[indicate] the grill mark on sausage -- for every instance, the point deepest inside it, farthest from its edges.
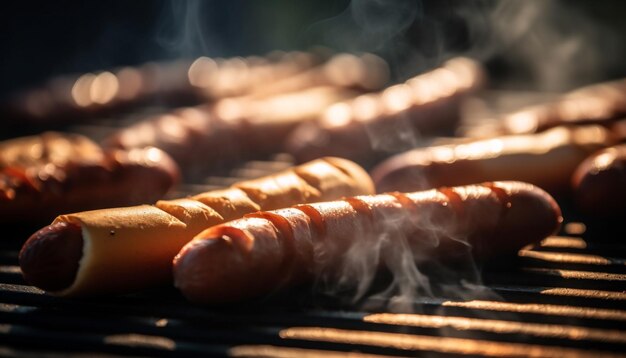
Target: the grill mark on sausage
(360, 206)
(454, 200)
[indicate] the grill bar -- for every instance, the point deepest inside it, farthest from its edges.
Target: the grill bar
(280, 352)
(552, 331)
(578, 261)
(434, 344)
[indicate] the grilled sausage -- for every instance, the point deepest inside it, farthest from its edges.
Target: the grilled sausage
(63, 245)
(546, 159)
(68, 98)
(237, 76)
(365, 72)
(390, 120)
(206, 136)
(263, 251)
(127, 249)
(49, 174)
(596, 104)
(600, 183)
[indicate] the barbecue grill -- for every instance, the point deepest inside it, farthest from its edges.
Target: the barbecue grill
(562, 297)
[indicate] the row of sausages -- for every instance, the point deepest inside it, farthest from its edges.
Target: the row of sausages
(266, 250)
(48, 174)
(312, 122)
(126, 249)
(202, 138)
(97, 252)
(69, 98)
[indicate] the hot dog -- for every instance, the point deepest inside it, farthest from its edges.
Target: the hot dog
(265, 250)
(49, 174)
(203, 137)
(67, 98)
(70, 97)
(546, 159)
(127, 249)
(597, 104)
(237, 76)
(600, 183)
(389, 120)
(364, 72)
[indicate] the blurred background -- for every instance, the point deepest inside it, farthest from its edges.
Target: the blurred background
(530, 45)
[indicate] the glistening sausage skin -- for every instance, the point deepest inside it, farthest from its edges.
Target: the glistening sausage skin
(266, 250)
(600, 183)
(45, 175)
(546, 159)
(62, 244)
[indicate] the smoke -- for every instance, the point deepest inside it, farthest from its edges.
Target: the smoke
(379, 23)
(422, 255)
(184, 31)
(535, 44)
(552, 44)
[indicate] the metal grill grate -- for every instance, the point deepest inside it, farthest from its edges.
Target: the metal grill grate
(564, 297)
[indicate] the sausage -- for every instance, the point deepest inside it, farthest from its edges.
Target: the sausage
(600, 183)
(207, 136)
(263, 251)
(127, 249)
(48, 147)
(364, 72)
(193, 136)
(595, 104)
(391, 120)
(68, 98)
(49, 174)
(237, 76)
(62, 244)
(546, 159)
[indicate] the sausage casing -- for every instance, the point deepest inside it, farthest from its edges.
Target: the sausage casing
(546, 159)
(49, 174)
(263, 251)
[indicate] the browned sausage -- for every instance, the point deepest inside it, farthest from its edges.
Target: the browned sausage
(237, 76)
(598, 104)
(49, 259)
(259, 253)
(203, 137)
(67, 98)
(49, 174)
(123, 250)
(366, 72)
(600, 183)
(546, 159)
(391, 120)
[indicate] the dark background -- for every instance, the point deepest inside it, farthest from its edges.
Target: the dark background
(548, 45)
